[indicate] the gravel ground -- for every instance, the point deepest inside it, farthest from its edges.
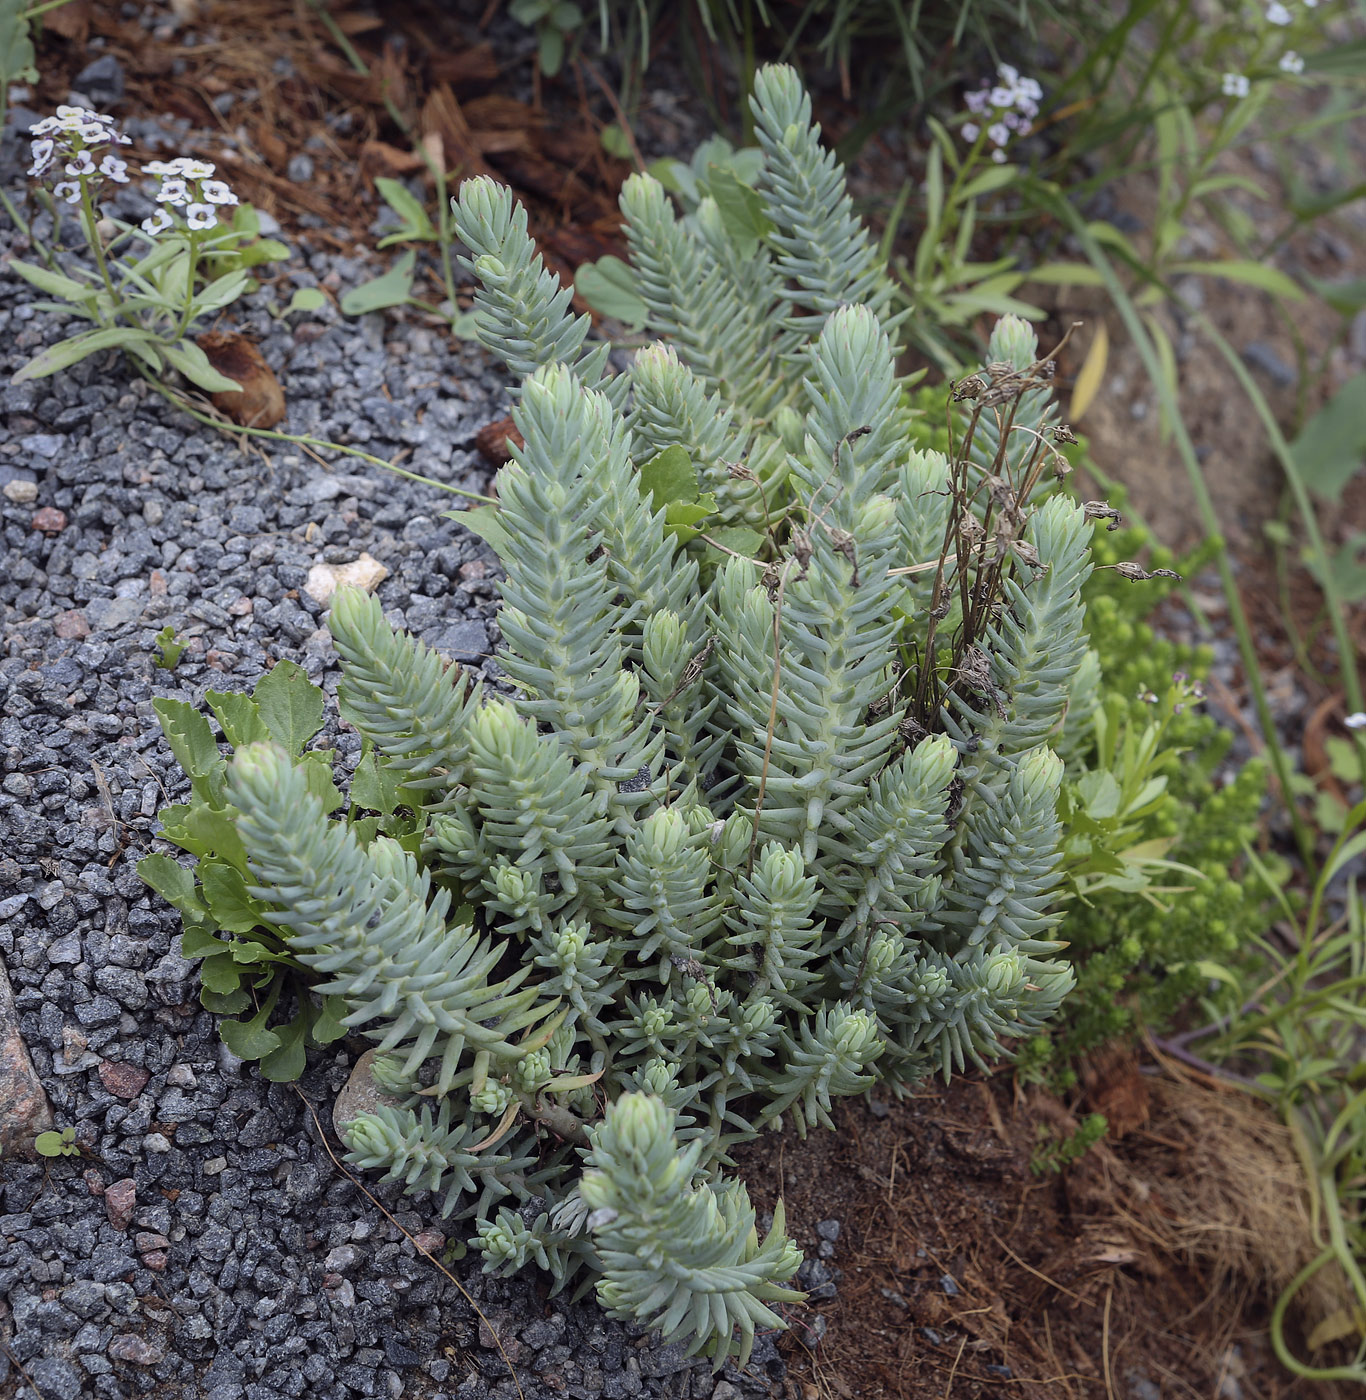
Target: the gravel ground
(203, 1244)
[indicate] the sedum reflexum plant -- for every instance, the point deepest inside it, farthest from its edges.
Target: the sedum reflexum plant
(772, 814)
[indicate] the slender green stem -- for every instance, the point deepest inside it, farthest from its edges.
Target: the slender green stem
(36, 10)
(304, 440)
(16, 217)
(187, 311)
(92, 236)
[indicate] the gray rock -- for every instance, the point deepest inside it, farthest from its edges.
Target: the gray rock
(26, 1110)
(360, 1094)
(55, 1379)
(102, 80)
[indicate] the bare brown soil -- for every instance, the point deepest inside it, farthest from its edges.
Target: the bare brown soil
(1143, 1270)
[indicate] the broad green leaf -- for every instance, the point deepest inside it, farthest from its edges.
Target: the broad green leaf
(327, 1021)
(1331, 446)
(198, 942)
(194, 364)
(416, 224)
(550, 55)
(69, 352)
(609, 287)
(53, 283)
(374, 785)
(616, 142)
(741, 209)
(239, 716)
(286, 1062)
(248, 952)
(487, 523)
(172, 882)
(988, 182)
(668, 477)
(1100, 793)
(392, 289)
(191, 741)
(290, 704)
(1254, 274)
(225, 1003)
(173, 828)
(1066, 274)
(215, 831)
(307, 299)
(739, 539)
(317, 769)
(221, 292)
(683, 519)
(1348, 297)
(1341, 60)
(225, 892)
(249, 1040)
(220, 974)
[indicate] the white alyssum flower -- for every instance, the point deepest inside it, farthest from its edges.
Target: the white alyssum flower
(195, 169)
(42, 151)
(1291, 62)
(1236, 85)
(1276, 13)
(1356, 721)
(217, 192)
(971, 131)
(201, 216)
(81, 165)
(158, 223)
(68, 190)
(173, 191)
(114, 168)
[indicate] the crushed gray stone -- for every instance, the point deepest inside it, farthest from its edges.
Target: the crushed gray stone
(204, 1245)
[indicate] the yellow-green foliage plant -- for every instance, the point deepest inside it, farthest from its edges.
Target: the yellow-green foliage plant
(772, 813)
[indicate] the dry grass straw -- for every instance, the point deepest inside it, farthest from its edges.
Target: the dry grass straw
(1231, 1203)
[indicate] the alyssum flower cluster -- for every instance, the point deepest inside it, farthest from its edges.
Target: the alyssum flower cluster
(1006, 109)
(72, 139)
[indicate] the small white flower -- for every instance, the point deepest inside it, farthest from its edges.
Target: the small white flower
(45, 127)
(68, 190)
(96, 133)
(173, 192)
(216, 192)
(80, 164)
(1291, 62)
(161, 167)
(158, 223)
(42, 156)
(973, 101)
(1029, 89)
(1236, 85)
(999, 157)
(1002, 97)
(200, 216)
(971, 131)
(115, 169)
(1356, 721)
(1276, 13)
(1009, 75)
(195, 169)
(999, 133)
